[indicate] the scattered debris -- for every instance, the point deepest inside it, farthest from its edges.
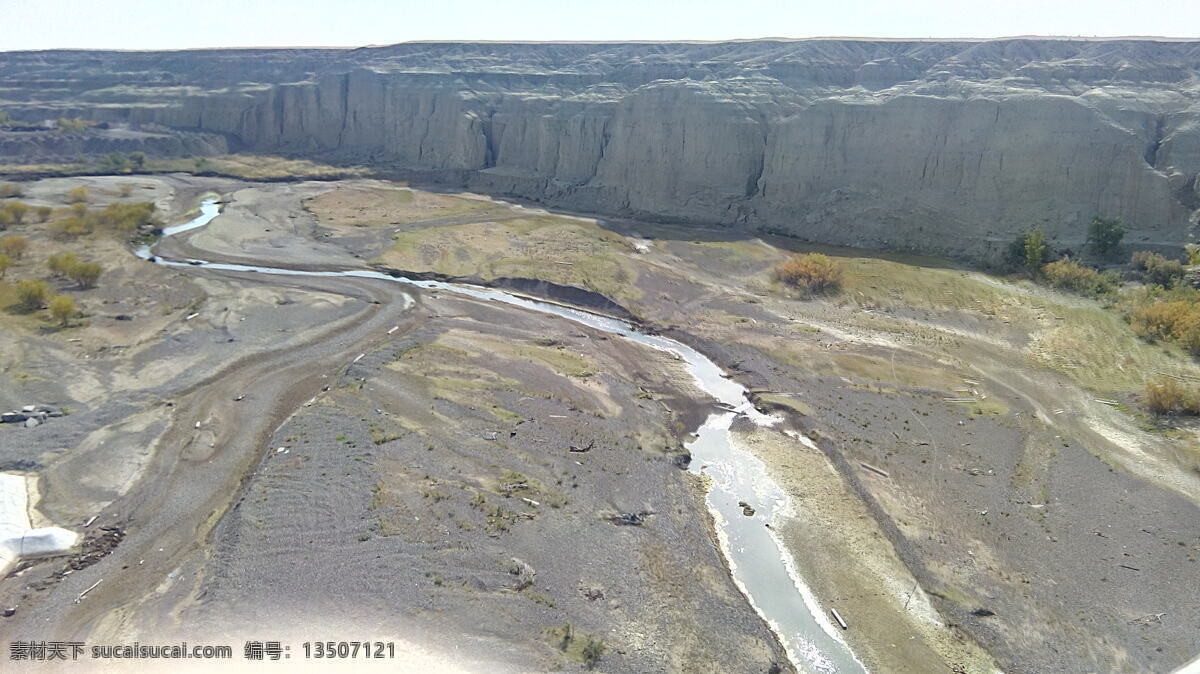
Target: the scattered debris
(1131, 568)
(683, 460)
(747, 510)
(240, 398)
(191, 316)
(591, 593)
(1149, 619)
(90, 520)
(393, 330)
(983, 613)
(1110, 403)
(574, 448)
(360, 357)
(10, 611)
(629, 519)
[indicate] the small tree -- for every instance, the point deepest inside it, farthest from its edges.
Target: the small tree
(592, 650)
(14, 212)
(77, 195)
(5, 263)
(1193, 253)
(85, 273)
(138, 159)
(1105, 234)
(59, 263)
(32, 294)
(1036, 249)
(14, 246)
(44, 213)
(62, 308)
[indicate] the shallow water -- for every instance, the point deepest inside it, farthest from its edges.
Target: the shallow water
(761, 565)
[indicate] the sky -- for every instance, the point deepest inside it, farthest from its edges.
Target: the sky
(179, 24)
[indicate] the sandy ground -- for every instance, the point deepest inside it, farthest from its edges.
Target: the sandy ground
(1031, 529)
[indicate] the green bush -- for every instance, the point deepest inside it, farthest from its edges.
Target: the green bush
(32, 294)
(1029, 251)
(1105, 234)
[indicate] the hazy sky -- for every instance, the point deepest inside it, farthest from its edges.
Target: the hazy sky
(159, 24)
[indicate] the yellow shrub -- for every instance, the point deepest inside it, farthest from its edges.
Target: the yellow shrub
(1070, 275)
(1165, 395)
(811, 272)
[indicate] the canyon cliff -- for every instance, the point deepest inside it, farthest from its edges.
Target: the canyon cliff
(949, 147)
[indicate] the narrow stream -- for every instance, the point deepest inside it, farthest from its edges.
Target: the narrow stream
(761, 566)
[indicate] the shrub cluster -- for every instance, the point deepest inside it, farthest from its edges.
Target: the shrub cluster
(14, 246)
(1067, 274)
(9, 190)
(1157, 269)
(118, 218)
(1165, 395)
(810, 272)
(82, 272)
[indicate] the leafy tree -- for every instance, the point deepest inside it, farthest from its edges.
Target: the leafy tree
(138, 159)
(1105, 234)
(63, 309)
(44, 213)
(14, 246)
(32, 294)
(5, 263)
(77, 195)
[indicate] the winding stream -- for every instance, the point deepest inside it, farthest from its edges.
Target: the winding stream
(760, 564)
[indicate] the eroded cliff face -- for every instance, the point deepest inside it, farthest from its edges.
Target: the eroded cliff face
(946, 147)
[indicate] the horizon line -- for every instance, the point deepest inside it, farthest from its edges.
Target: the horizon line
(845, 38)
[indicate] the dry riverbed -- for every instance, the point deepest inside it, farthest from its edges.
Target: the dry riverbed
(967, 503)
